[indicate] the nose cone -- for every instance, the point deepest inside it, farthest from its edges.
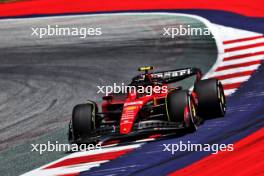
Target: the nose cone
(127, 120)
(126, 127)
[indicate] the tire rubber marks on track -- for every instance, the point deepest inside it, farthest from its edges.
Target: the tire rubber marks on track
(241, 59)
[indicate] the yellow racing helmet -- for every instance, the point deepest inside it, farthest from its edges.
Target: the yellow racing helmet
(145, 68)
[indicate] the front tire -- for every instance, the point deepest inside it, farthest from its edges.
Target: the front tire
(83, 120)
(181, 108)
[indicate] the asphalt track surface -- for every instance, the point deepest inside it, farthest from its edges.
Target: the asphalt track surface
(42, 79)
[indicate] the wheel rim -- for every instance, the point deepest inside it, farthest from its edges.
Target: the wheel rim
(192, 114)
(221, 97)
(193, 110)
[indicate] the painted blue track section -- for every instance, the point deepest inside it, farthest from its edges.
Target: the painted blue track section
(229, 19)
(245, 115)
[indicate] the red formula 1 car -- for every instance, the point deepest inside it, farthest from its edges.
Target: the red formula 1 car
(160, 110)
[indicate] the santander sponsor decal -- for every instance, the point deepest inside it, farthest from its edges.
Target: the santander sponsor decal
(133, 103)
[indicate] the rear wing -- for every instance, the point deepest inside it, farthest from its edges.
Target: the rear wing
(177, 75)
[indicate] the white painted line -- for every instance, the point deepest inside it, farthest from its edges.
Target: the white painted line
(242, 60)
(235, 70)
(243, 43)
(236, 67)
(224, 33)
(79, 154)
(244, 51)
(228, 33)
(65, 170)
(230, 91)
(235, 80)
(103, 150)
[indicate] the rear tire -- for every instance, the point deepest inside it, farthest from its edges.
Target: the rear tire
(211, 98)
(181, 108)
(83, 120)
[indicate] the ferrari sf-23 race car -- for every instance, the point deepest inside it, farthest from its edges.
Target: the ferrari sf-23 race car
(133, 115)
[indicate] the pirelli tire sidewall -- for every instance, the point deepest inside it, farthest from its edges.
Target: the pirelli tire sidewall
(211, 98)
